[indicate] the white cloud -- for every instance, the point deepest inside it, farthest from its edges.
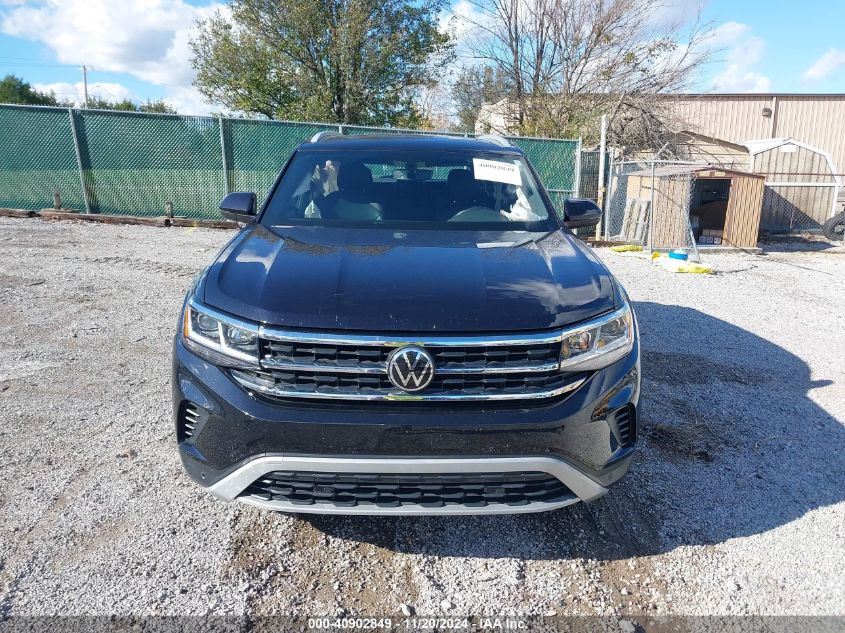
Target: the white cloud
(75, 92)
(148, 40)
(672, 13)
(187, 100)
(461, 19)
(734, 78)
(831, 61)
(740, 50)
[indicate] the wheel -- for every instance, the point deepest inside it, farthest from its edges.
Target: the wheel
(834, 228)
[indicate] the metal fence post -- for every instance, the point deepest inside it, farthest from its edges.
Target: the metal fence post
(79, 160)
(225, 156)
(685, 211)
(600, 192)
(577, 186)
(608, 200)
(651, 206)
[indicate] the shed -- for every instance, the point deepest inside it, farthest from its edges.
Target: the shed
(801, 184)
(720, 207)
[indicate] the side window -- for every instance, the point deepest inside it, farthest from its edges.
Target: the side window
(380, 170)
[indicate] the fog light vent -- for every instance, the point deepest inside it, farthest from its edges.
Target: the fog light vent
(625, 425)
(188, 421)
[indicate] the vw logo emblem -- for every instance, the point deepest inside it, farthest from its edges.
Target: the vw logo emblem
(410, 368)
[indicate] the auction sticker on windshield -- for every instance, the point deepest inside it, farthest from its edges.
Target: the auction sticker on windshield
(497, 171)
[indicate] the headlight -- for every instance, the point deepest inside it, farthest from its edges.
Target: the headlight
(220, 333)
(598, 343)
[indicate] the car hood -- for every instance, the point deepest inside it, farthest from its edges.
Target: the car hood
(420, 281)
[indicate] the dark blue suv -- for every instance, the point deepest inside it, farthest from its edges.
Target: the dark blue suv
(407, 326)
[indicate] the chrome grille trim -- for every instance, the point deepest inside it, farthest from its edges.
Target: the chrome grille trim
(515, 369)
(276, 334)
(250, 383)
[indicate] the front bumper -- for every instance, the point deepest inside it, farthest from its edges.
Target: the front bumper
(239, 437)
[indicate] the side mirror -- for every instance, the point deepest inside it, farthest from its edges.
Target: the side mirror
(239, 207)
(580, 212)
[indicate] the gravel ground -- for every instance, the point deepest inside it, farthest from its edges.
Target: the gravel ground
(734, 504)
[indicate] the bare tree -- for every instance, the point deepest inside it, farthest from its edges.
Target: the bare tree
(568, 61)
(432, 103)
(512, 36)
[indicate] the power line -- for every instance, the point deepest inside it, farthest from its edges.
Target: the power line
(32, 65)
(31, 61)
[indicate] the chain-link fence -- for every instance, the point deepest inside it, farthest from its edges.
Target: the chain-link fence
(143, 162)
(37, 158)
(648, 203)
(589, 178)
(797, 207)
(138, 164)
(557, 162)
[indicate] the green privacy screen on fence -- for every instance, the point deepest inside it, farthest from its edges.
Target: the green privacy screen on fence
(37, 157)
(134, 164)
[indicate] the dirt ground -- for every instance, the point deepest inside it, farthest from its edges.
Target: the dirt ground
(735, 503)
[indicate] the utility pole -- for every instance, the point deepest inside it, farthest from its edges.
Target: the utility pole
(85, 84)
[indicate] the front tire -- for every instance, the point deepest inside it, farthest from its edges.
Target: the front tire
(834, 228)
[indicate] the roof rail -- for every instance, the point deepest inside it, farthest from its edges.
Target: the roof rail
(325, 135)
(494, 138)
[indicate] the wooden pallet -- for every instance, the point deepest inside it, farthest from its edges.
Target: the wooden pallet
(635, 221)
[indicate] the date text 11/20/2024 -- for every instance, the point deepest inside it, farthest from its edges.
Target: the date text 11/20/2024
(420, 623)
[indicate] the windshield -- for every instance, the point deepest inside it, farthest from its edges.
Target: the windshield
(430, 190)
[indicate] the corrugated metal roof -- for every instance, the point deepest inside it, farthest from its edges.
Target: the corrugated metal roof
(678, 170)
(751, 95)
(765, 144)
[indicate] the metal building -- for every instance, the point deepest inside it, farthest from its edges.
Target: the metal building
(815, 119)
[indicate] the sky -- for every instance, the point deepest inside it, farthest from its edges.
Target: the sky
(138, 49)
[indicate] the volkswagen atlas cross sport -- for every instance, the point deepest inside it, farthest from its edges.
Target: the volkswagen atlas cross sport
(406, 326)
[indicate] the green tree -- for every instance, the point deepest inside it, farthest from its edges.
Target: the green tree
(473, 87)
(347, 61)
(98, 103)
(158, 106)
(16, 90)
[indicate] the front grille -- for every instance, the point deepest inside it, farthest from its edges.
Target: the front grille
(395, 490)
(339, 385)
(278, 353)
(355, 367)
